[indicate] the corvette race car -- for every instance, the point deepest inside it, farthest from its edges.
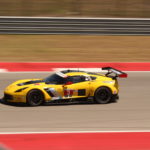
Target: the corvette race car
(66, 85)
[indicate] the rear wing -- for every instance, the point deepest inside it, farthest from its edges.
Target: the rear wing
(117, 73)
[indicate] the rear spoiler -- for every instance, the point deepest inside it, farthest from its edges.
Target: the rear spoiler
(118, 73)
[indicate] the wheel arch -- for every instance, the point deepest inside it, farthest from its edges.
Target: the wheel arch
(106, 95)
(102, 87)
(35, 89)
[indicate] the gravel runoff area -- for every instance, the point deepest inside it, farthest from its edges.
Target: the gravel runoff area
(71, 48)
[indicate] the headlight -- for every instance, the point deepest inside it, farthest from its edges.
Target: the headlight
(21, 89)
(110, 82)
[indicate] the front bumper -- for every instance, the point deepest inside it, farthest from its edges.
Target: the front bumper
(14, 98)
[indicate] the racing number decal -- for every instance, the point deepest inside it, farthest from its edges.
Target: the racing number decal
(68, 92)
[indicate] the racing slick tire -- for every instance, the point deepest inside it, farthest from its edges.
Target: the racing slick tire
(35, 98)
(103, 95)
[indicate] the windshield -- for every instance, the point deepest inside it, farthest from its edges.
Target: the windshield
(54, 79)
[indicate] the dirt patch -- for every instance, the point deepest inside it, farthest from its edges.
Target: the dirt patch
(74, 48)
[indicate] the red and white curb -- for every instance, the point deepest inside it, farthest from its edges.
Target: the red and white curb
(88, 140)
(89, 66)
(3, 70)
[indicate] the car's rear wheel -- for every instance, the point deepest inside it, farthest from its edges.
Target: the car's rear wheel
(103, 95)
(35, 98)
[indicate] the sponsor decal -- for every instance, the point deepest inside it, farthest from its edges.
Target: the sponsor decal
(53, 93)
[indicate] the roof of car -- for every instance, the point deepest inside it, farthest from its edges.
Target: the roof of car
(78, 72)
(68, 71)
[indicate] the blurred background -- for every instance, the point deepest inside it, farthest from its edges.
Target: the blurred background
(92, 48)
(93, 8)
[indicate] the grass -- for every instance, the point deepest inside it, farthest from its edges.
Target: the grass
(74, 48)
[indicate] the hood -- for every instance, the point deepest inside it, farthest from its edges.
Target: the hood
(22, 84)
(28, 82)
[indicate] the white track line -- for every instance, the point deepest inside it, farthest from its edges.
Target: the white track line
(65, 69)
(75, 18)
(79, 132)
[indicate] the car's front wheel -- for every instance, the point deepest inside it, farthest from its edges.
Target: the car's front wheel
(35, 98)
(103, 95)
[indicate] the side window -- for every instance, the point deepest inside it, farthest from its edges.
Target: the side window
(76, 79)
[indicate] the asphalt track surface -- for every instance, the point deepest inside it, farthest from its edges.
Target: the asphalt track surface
(131, 112)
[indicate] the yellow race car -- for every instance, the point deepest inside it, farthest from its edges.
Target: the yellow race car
(65, 86)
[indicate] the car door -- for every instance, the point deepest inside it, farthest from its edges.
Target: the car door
(76, 87)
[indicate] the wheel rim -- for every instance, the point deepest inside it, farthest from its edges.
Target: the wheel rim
(35, 98)
(103, 95)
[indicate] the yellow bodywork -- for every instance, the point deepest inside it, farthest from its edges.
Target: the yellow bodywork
(17, 92)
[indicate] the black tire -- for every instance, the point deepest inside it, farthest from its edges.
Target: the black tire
(35, 98)
(103, 95)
